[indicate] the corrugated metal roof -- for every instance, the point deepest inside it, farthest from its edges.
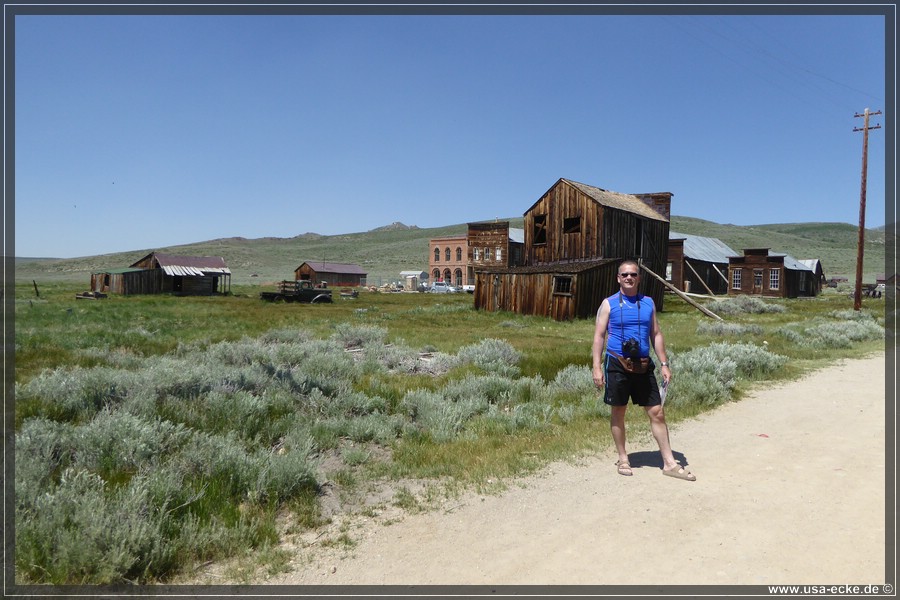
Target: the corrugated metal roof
(812, 263)
(790, 262)
(626, 202)
(330, 267)
(189, 266)
(704, 248)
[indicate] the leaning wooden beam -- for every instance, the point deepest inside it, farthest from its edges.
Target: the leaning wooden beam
(702, 309)
(700, 279)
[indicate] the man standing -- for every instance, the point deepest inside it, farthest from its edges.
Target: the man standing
(626, 328)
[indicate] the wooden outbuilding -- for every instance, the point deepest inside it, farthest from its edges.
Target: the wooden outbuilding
(815, 265)
(332, 274)
(698, 264)
(575, 235)
(159, 273)
(761, 272)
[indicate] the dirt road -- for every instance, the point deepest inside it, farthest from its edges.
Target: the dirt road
(790, 489)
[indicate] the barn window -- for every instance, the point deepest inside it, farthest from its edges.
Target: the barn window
(437, 255)
(774, 279)
(562, 285)
(540, 230)
(499, 254)
(458, 254)
(736, 279)
(447, 254)
(572, 225)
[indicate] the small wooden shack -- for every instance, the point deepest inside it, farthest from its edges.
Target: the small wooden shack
(159, 273)
(815, 265)
(331, 274)
(698, 264)
(761, 272)
(575, 235)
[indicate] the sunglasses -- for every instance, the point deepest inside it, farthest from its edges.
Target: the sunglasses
(628, 274)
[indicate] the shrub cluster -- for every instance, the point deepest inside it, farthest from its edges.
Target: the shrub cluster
(847, 328)
(123, 474)
(707, 375)
(744, 305)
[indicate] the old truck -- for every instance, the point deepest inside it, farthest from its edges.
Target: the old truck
(297, 291)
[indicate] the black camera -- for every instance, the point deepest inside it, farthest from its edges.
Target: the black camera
(631, 348)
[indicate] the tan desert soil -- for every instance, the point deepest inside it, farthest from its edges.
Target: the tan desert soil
(790, 490)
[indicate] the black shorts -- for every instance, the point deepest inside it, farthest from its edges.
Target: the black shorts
(621, 385)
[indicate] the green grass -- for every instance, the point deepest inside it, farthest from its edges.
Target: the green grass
(204, 417)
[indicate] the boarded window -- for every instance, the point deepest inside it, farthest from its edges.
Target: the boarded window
(540, 229)
(562, 285)
(572, 225)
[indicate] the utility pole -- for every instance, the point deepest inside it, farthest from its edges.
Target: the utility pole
(857, 295)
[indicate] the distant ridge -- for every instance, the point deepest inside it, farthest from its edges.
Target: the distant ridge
(395, 226)
(387, 251)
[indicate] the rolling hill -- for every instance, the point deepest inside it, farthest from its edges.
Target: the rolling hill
(386, 251)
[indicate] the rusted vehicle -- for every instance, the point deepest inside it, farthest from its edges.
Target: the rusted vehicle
(297, 291)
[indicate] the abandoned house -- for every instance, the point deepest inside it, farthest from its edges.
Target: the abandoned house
(159, 273)
(761, 272)
(698, 264)
(575, 235)
(815, 265)
(329, 273)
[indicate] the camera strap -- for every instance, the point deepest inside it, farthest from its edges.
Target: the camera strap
(622, 317)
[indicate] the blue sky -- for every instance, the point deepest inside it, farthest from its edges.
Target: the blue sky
(138, 132)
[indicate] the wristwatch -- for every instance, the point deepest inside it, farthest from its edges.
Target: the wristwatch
(663, 364)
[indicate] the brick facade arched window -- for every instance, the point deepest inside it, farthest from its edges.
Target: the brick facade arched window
(458, 254)
(447, 253)
(437, 255)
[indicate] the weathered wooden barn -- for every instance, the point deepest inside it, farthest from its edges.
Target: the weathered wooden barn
(575, 235)
(333, 274)
(159, 273)
(761, 272)
(698, 264)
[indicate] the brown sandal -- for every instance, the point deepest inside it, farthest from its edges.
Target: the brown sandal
(624, 468)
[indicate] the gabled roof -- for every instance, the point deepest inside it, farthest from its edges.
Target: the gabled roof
(813, 263)
(627, 202)
(704, 248)
(174, 264)
(790, 262)
(330, 267)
